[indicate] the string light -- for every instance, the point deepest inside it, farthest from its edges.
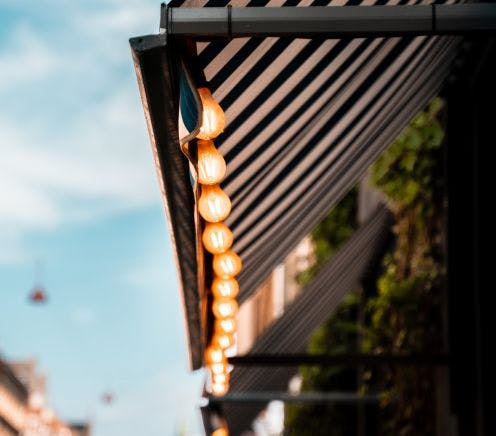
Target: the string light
(225, 307)
(219, 389)
(214, 205)
(213, 118)
(227, 264)
(220, 378)
(218, 368)
(226, 325)
(217, 238)
(214, 354)
(225, 288)
(223, 340)
(211, 164)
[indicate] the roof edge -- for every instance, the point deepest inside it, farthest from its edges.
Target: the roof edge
(157, 73)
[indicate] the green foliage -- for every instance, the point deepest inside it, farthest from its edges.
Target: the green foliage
(335, 228)
(403, 314)
(404, 173)
(338, 335)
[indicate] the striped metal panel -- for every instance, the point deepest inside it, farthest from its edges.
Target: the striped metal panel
(313, 306)
(306, 117)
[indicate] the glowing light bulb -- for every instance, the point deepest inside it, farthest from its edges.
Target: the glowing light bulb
(220, 378)
(211, 164)
(223, 340)
(213, 118)
(218, 368)
(226, 325)
(214, 205)
(225, 308)
(225, 288)
(219, 389)
(214, 354)
(227, 264)
(217, 238)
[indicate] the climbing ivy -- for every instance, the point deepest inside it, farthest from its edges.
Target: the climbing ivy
(337, 335)
(404, 316)
(402, 313)
(335, 228)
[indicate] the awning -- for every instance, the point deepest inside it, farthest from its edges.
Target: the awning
(305, 118)
(158, 69)
(313, 306)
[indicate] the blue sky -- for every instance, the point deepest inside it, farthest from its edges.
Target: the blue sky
(78, 192)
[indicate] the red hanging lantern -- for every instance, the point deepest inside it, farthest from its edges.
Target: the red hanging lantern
(107, 398)
(38, 295)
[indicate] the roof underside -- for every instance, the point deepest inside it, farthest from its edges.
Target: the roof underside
(305, 119)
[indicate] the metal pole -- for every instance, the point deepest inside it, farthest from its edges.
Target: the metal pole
(336, 359)
(330, 21)
(302, 397)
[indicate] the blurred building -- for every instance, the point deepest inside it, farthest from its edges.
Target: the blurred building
(13, 402)
(80, 429)
(277, 291)
(24, 408)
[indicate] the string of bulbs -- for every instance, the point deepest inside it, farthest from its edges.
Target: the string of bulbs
(214, 207)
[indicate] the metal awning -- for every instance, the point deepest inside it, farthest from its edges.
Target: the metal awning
(157, 69)
(306, 117)
(313, 306)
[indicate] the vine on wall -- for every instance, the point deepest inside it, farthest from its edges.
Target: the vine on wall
(403, 312)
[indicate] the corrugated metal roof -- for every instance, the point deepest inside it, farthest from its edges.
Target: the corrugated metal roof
(305, 118)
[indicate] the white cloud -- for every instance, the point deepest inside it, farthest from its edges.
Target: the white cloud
(103, 169)
(28, 59)
(119, 17)
(73, 142)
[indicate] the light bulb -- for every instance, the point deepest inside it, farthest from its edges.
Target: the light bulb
(223, 340)
(213, 118)
(218, 368)
(225, 288)
(225, 308)
(214, 205)
(220, 378)
(226, 325)
(227, 264)
(211, 164)
(219, 389)
(220, 432)
(214, 354)
(217, 238)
